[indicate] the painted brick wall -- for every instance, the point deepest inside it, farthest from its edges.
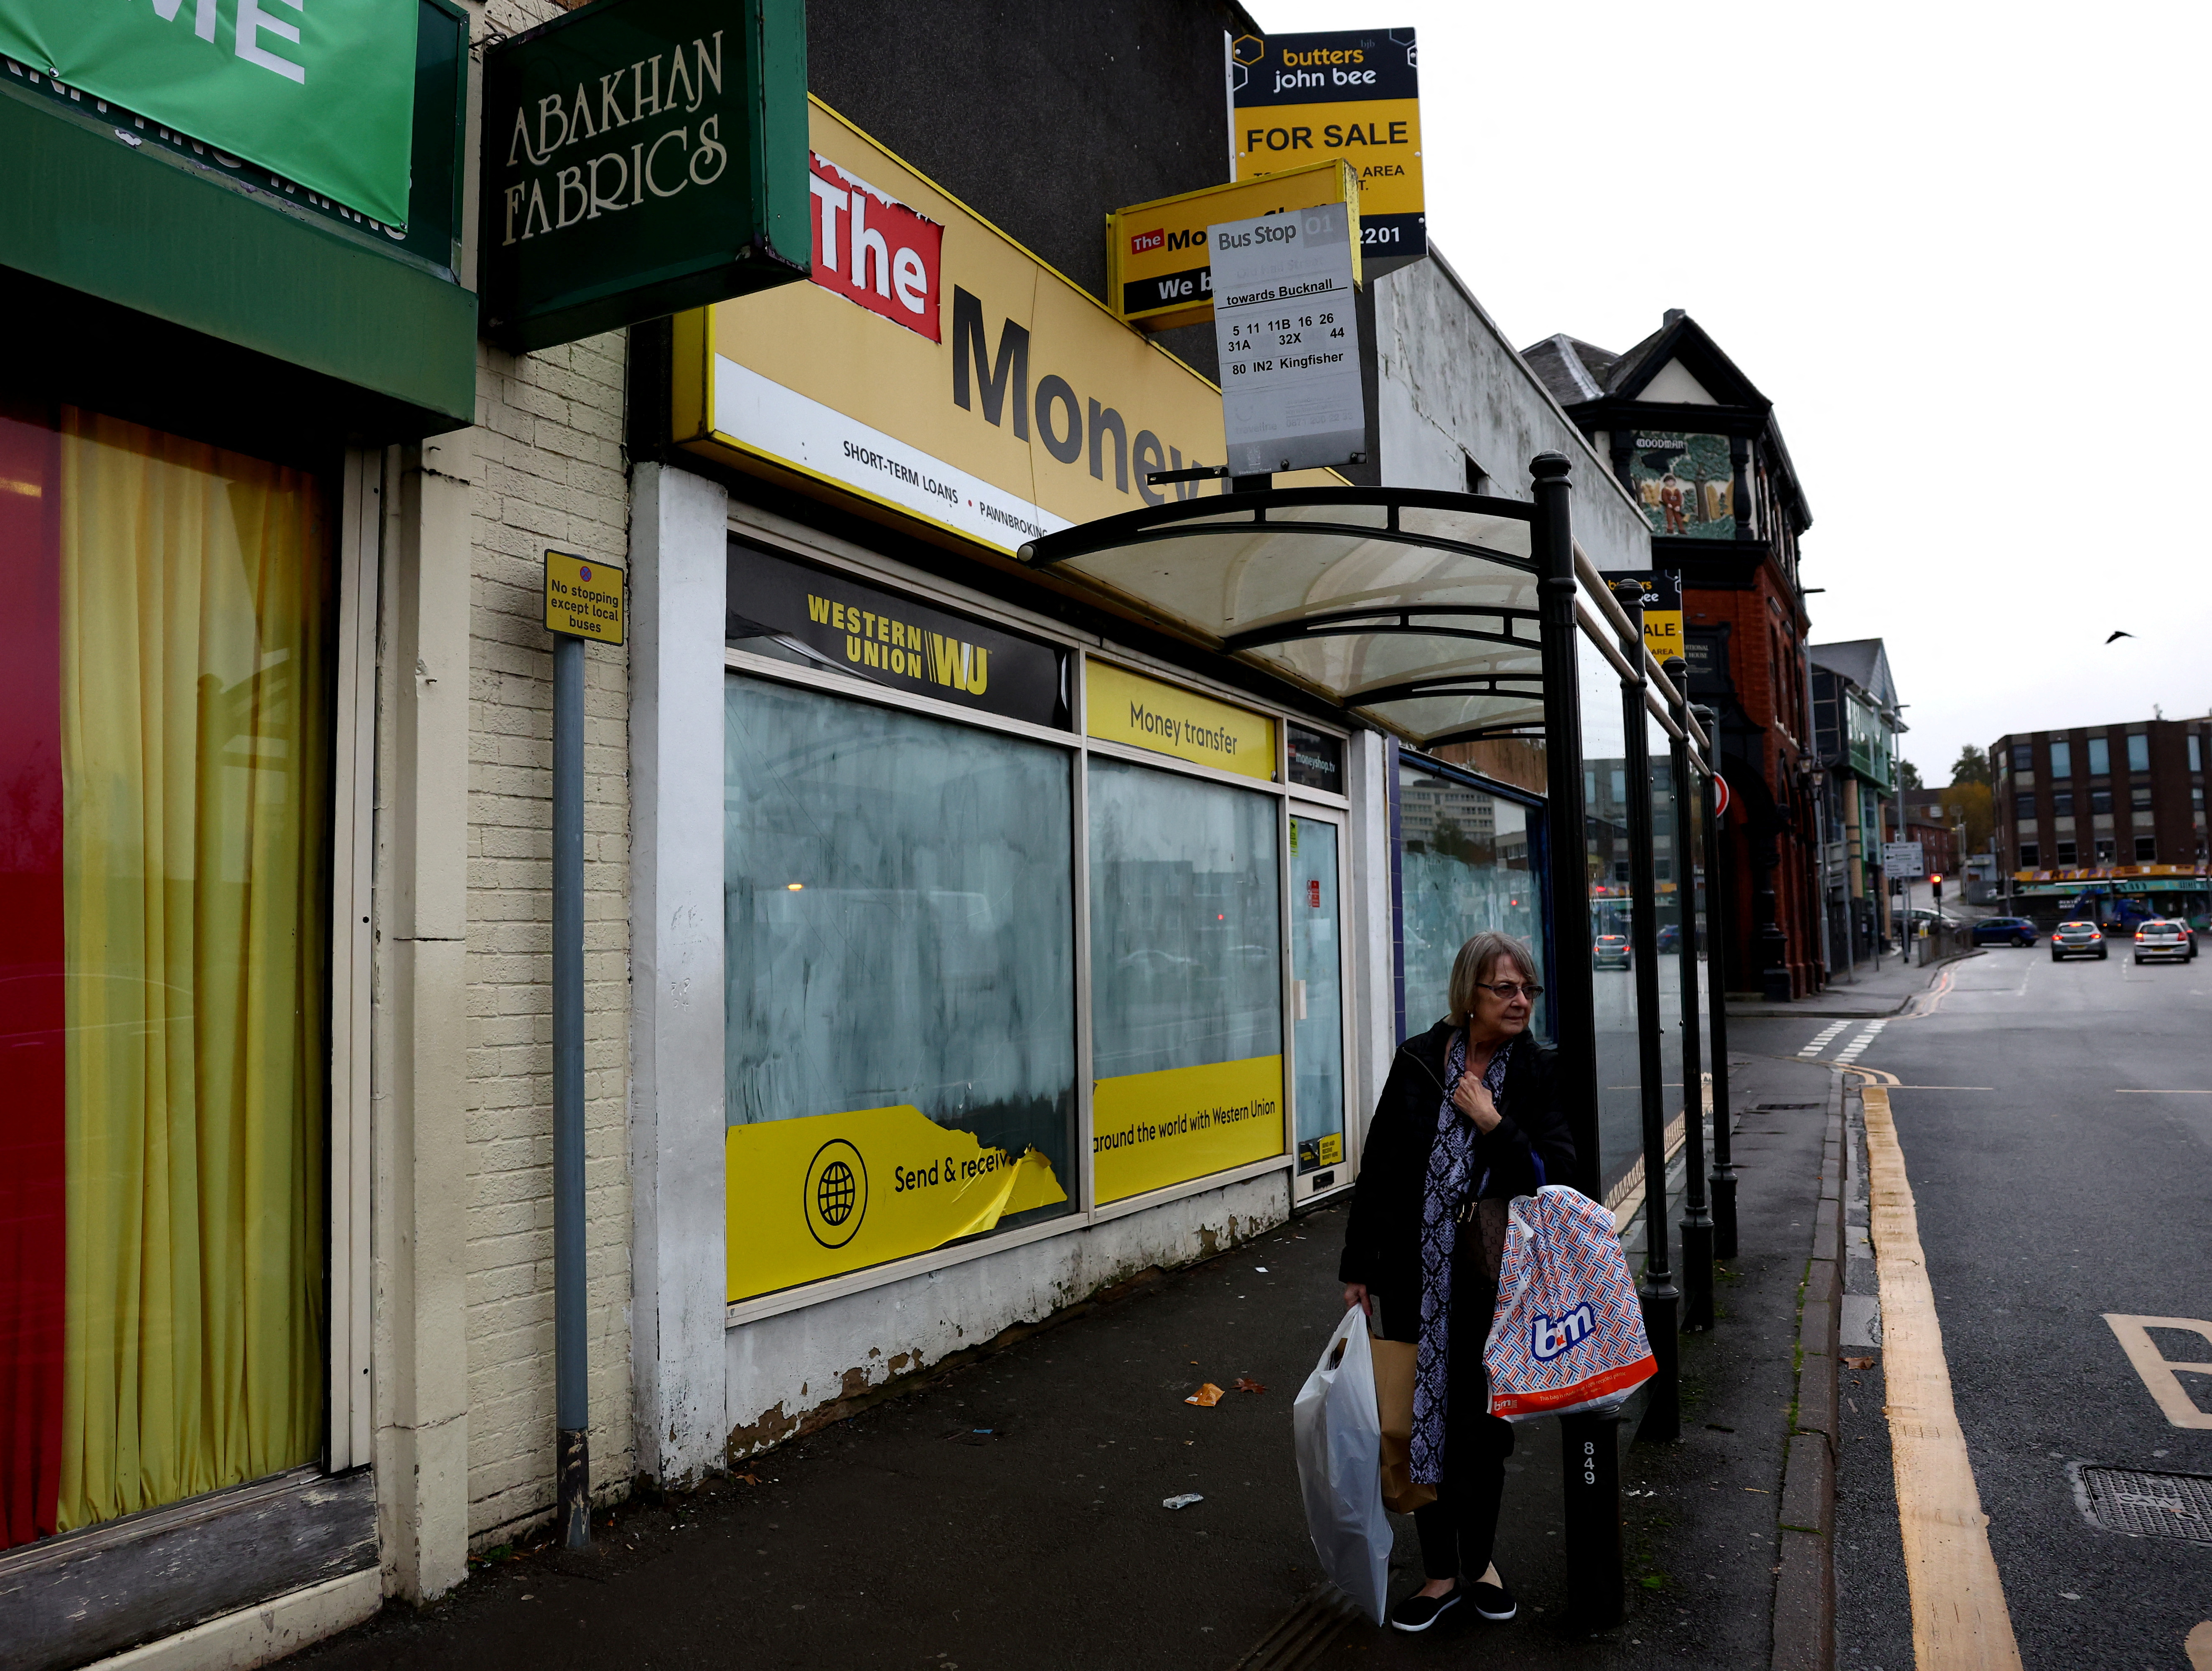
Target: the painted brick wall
(549, 472)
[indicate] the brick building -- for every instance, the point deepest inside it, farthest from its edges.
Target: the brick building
(1696, 444)
(2115, 809)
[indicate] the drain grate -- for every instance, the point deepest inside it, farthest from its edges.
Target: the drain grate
(1778, 1107)
(2148, 1505)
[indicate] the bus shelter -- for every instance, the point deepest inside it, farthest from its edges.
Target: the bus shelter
(1442, 618)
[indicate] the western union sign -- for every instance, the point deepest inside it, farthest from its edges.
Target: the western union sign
(1157, 275)
(1353, 94)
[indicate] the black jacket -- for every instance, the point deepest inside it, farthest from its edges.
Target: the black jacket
(1381, 1238)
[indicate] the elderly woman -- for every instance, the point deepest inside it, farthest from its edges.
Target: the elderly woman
(1467, 1114)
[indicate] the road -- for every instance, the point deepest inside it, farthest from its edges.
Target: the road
(2055, 1122)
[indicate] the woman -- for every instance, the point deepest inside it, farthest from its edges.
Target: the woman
(1468, 1109)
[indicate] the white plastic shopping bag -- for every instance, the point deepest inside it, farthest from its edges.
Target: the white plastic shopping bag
(1568, 1334)
(1338, 1434)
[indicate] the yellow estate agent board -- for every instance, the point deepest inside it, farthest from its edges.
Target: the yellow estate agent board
(1121, 706)
(1158, 274)
(817, 1197)
(1150, 1130)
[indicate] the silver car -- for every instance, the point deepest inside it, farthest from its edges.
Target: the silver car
(2165, 937)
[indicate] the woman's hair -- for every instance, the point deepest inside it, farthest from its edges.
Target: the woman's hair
(1475, 963)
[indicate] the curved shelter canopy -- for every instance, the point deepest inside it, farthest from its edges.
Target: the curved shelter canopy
(1412, 607)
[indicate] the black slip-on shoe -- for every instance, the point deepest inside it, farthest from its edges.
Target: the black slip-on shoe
(1494, 1602)
(1418, 1612)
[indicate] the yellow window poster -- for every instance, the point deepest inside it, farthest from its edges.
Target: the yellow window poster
(1150, 1130)
(1121, 706)
(832, 1192)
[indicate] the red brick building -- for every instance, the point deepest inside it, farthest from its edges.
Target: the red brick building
(1696, 443)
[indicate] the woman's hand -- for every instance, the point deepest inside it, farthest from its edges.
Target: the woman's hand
(1471, 1098)
(1355, 1293)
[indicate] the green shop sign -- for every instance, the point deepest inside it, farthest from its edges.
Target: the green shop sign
(641, 157)
(323, 93)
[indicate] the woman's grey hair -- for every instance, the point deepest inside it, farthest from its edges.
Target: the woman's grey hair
(1476, 963)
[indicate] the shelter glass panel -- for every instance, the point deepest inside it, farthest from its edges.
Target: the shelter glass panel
(1606, 856)
(1465, 865)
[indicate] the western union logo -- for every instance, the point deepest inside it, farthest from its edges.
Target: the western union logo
(895, 647)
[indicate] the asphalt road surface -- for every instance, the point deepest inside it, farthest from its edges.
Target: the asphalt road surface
(2056, 1122)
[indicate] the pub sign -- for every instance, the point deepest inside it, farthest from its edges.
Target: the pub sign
(641, 157)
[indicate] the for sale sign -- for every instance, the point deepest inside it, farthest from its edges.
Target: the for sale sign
(1353, 94)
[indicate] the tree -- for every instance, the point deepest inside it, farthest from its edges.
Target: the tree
(1972, 766)
(1971, 805)
(1908, 775)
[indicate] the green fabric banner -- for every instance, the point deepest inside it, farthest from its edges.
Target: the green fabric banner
(323, 96)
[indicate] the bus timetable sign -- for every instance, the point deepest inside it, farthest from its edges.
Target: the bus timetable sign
(641, 157)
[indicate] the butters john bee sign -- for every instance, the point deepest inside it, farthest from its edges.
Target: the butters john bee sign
(641, 156)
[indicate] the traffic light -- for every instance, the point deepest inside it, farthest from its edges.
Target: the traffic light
(1936, 882)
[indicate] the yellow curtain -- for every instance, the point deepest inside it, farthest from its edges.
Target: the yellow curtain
(196, 595)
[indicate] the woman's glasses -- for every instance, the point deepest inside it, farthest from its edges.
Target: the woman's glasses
(1509, 990)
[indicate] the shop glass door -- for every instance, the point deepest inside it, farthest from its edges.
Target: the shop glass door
(1317, 1007)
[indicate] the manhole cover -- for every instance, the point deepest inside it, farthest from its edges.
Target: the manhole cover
(2148, 1505)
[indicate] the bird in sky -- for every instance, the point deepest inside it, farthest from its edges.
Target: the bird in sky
(2118, 636)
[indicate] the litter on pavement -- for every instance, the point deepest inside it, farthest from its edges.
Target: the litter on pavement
(1183, 1502)
(1209, 1394)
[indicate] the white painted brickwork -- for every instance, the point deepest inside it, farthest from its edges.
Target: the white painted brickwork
(549, 473)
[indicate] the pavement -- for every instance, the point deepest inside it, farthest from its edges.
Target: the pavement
(1008, 1513)
(2052, 1128)
(1881, 988)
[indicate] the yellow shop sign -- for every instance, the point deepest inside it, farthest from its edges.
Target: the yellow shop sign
(1121, 706)
(937, 374)
(831, 1193)
(1158, 275)
(1150, 1130)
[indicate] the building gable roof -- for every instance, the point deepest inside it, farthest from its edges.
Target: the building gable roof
(1863, 661)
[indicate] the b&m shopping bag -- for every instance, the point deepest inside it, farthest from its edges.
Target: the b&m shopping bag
(1568, 1336)
(1338, 1438)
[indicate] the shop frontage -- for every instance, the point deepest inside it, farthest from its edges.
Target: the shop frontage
(192, 486)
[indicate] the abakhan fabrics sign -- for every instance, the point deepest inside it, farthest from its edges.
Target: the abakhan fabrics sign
(641, 157)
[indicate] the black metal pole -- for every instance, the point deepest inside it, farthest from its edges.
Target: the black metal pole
(1697, 1221)
(1717, 897)
(1662, 1416)
(1589, 1445)
(571, 1385)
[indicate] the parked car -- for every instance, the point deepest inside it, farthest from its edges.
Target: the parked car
(2081, 938)
(2006, 931)
(1670, 938)
(2165, 937)
(1609, 951)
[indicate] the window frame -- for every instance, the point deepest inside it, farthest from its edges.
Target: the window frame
(1079, 746)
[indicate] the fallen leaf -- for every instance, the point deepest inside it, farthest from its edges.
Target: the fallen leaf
(1208, 1395)
(1244, 1386)
(1761, 1490)
(1858, 1363)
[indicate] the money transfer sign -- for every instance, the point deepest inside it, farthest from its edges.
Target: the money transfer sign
(1353, 94)
(1291, 397)
(1156, 275)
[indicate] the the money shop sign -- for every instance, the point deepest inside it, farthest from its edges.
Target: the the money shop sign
(322, 93)
(937, 371)
(1353, 94)
(641, 156)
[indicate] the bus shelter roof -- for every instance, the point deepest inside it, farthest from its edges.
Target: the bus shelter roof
(1414, 609)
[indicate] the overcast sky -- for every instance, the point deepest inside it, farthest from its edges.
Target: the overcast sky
(1960, 246)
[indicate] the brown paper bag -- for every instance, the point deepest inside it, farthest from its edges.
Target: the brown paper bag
(1394, 1400)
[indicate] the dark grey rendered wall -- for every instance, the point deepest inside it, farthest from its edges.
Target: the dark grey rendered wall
(1041, 117)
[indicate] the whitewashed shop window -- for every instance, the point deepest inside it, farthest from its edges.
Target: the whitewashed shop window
(900, 1048)
(1186, 978)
